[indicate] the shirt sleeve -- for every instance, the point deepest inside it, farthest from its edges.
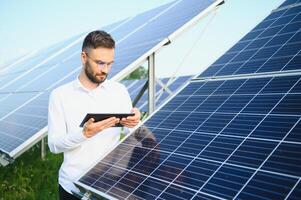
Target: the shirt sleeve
(59, 140)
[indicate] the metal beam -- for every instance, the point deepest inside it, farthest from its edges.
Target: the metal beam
(140, 94)
(43, 148)
(151, 83)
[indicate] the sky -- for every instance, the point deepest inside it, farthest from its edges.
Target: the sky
(29, 25)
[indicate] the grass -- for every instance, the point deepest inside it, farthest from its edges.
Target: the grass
(30, 177)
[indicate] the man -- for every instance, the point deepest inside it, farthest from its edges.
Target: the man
(91, 92)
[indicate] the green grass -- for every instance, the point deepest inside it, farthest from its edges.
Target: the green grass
(30, 177)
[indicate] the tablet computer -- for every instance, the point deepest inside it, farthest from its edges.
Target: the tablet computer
(99, 117)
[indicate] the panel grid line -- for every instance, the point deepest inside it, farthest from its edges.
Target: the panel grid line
(293, 188)
(242, 140)
(249, 44)
(199, 126)
(224, 135)
(171, 132)
(262, 47)
(275, 147)
(158, 179)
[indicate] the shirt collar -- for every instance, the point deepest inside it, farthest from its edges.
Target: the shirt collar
(78, 85)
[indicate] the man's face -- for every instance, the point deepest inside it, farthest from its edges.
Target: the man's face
(97, 63)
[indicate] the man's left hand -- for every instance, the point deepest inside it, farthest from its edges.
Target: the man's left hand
(131, 121)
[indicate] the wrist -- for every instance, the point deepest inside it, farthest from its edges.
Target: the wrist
(84, 132)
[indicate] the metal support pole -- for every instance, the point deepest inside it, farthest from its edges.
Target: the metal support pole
(140, 94)
(43, 149)
(4, 160)
(151, 83)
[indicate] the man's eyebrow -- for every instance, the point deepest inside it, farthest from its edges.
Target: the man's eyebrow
(104, 61)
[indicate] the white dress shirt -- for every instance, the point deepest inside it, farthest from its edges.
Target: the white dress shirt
(68, 105)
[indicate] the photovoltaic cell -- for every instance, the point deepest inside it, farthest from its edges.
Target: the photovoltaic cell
(267, 186)
(19, 126)
(273, 45)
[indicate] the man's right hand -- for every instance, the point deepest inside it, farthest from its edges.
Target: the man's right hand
(91, 128)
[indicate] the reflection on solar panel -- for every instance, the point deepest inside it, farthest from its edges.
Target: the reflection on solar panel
(134, 87)
(273, 45)
(214, 139)
(231, 137)
(31, 80)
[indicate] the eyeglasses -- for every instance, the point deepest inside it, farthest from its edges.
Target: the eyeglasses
(100, 63)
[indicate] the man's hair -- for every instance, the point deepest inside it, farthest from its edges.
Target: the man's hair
(97, 39)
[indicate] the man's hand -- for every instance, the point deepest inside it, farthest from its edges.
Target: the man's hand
(131, 121)
(91, 128)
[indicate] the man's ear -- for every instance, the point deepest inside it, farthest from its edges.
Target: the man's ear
(83, 57)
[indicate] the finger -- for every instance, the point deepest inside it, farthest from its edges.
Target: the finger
(111, 123)
(109, 120)
(134, 110)
(107, 123)
(135, 117)
(89, 124)
(90, 121)
(130, 120)
(130, 123)
(137, 113)
(123, 120)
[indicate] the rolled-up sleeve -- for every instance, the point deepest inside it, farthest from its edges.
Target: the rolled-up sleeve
(58, 139)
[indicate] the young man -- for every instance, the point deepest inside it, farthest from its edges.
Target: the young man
(91, 92)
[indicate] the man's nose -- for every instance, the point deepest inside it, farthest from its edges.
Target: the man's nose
(105, 68)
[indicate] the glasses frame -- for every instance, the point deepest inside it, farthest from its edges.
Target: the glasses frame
(100, 64)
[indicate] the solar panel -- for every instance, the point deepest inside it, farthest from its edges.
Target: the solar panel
(214, 143)
(228, 137)
(136, 38)
(289, 3)
(273, 45)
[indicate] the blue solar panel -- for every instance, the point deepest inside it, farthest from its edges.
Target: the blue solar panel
(289, 2)
(273, 45)
(165, 20)
(215, 139)
(19, 126)
(136, 38)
